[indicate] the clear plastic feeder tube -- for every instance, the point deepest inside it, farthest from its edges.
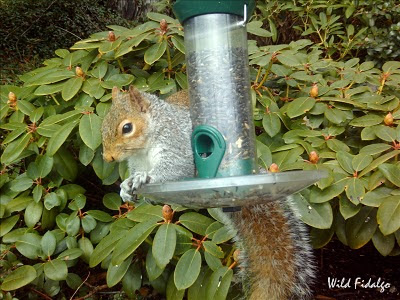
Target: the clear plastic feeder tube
(219, 86)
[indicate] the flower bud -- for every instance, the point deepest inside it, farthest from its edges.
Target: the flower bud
(167, 213)
(163, 25)
(236, 255)
(388, 120)
(12, 99)
(314, 91)
(111, 36)
(313, 157)
(273, 168)
(79, 72)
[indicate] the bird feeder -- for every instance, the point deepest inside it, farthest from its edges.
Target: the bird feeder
(223, 138)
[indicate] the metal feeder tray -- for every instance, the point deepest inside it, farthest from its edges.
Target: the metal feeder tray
(230, 191)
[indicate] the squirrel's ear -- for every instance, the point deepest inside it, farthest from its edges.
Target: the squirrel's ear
(115, 91)
(138, 99)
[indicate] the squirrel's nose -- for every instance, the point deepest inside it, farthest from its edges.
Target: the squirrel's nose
(108, 157)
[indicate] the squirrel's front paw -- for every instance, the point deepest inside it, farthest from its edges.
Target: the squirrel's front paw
(131, 184)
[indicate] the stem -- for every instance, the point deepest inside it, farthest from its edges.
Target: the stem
(169, 62)
(54, 98)
(381, 86)
(265, 75)
(258, 75)
(121, 67)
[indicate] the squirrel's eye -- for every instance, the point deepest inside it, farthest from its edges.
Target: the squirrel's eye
(127, 128)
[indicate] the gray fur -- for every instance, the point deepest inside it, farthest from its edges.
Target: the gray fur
(167, 155)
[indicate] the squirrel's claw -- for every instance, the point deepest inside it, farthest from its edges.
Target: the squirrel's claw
(131, 184)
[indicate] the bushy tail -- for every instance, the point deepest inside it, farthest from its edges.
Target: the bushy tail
(276, 260)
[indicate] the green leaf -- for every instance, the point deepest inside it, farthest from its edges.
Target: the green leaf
(70, 254)
(48, 243)
(132, 280)
(90, 130)
(219, 283)
(13, 135)
(33, 213)
(100, 215)
(134, 238)
(172, 292)
(288, 59)
(386, 133)
(366, 121)
(88, 223)
(213, 249)
(25, 107)
(44, 165)
(118, 80)
(18, 204)
(29, 245)
(158, 17)
(73, 224)
(213, 262)
(198, 291)
(145, 212)
(7, 224)
(112, 201)
(14, 149)
(347, 208)
(153, 270)
(115, 273)
(335, 115)
(73, 281)
(320, 196)
(390, 66)
(271, 124)
(93, 88)
(223, 235)
(187, 269)
(21, 183)
(361, 227)
(71, 88)
(383, 243)
(389, 215)
(56, 270)
(178, 43)
(380, 160)
(195, 222)
(55, 75)
(337, 145)
(102, 168)
(318, 215)
(18, 278)
(345, 161)
(86, 155)
(391, 172)
(51, 200)
(65, 164)
(49, 89)
(355, 190)
(254, 27)
(300, 106)
(164, 244)
(155, 52)
(59, 137)
(105, 247)
(375, 148)
(87, 248)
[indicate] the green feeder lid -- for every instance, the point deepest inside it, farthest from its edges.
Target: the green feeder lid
(185, 9)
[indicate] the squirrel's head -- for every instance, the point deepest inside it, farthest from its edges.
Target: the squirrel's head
(124, 128)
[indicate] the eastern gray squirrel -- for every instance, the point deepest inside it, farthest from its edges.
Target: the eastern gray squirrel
(153, 135)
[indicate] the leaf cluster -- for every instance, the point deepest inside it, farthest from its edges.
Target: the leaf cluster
(60, 213)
